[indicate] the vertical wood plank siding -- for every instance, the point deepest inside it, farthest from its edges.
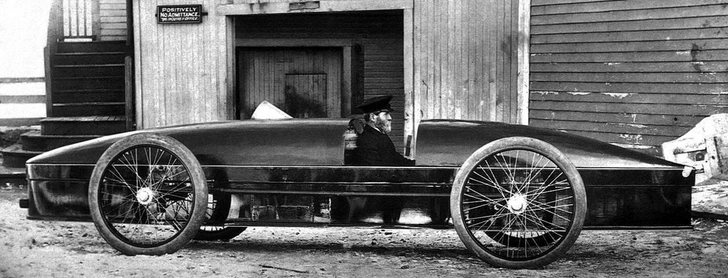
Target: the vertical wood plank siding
(466, 62)
(635, 73)
(464, 57)
(181, 68)
(112, 17)
(263, 74)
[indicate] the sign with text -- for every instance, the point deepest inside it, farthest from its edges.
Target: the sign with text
(179, 14)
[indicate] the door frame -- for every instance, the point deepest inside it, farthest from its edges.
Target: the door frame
(249, 7)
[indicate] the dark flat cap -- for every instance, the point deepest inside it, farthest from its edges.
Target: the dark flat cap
(376, 104)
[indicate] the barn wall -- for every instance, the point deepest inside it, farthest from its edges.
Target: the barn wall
(465, 59)
(441, 59)
(634, 73)
(112, 20)
(181, 69)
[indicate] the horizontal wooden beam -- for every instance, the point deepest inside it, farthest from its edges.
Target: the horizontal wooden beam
(628, 108)
(6, 99)
(21, 79)
(254, 7)
(667, 88)
(631, 12)
(20, 121)
(570, 7)
(662, 121)
(293, 42)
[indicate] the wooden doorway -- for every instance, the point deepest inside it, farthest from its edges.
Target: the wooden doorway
(305, 82)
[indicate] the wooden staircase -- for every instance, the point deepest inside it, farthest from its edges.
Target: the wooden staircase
(86, 99)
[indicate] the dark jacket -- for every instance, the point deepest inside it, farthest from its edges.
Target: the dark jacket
(376, 148)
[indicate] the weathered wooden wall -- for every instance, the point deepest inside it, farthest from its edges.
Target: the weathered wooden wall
(264, 74)
(112, 20)
(635, 73)
(181, 69)
(440, 59)
(465, 59)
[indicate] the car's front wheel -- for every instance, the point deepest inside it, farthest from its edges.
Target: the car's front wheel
(147, 195)
(518, 203)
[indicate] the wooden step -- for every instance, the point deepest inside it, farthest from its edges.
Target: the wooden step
(88, 70)
(19, 121)
(78, 96)
(89, 58)
(95, 46)
(93, 125)
(15, 157)
(88, 83)
(88, 109)
(35, 141)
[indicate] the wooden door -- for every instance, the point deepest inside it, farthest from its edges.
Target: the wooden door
(303, 82)
(305, 95)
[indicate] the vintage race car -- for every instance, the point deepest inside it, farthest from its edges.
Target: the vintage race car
(518, 196)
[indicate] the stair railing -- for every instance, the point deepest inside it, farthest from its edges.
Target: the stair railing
(80, 19)
(55, 33)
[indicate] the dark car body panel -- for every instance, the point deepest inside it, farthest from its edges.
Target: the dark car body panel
(282, 142)
(298, 165)
(449, 143)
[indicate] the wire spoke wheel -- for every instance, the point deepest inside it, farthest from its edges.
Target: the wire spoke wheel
(518, 203)
(147, 195)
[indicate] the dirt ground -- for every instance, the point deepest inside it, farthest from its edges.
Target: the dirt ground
(31, 248)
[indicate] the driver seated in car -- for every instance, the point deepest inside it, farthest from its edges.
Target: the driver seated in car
(373, 145)
(375, 148)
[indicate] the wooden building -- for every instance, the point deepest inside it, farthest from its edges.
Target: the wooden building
(634, 73)
(439, 59)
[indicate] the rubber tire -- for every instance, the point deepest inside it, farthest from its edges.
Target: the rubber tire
(501, 238)
(220, 213)
(196, 175)
(522, 143)
(225, 234)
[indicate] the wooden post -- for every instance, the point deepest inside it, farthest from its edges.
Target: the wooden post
(410, 115)
(346, 81)
(129, 81)
(129, 92)
(96, 18)
(524, 33)
(48, 58)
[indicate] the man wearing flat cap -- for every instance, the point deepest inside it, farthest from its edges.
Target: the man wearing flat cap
(373, 145)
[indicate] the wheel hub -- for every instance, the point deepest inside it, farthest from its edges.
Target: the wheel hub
(145, 196)
(517, 203)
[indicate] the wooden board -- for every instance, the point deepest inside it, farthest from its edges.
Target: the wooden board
(112, 20)
(466, 59)
(181, 70)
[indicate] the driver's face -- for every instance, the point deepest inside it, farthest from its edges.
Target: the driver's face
(383, 121)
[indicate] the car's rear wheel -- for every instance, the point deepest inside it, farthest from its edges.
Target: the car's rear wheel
(218, 208)
(147, 195)
(518, 202)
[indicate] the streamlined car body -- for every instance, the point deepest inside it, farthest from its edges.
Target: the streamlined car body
(517, 195)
